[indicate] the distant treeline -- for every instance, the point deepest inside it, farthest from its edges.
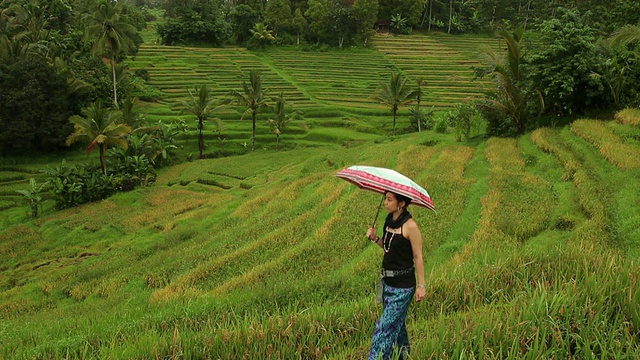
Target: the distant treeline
(352, 22)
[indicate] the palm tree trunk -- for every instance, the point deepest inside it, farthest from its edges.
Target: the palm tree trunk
(430, 10)
(102, 148)
(424, 13)
(200, 137)
(395, 111)
(418, 119)
(253, 140)
(450, 15)
(115, 89)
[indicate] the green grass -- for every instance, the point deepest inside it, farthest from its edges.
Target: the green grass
(532, 252)
(264, 254)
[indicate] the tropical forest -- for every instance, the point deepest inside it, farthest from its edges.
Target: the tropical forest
(168, 183)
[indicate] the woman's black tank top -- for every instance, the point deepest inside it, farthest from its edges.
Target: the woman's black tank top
(398, 255)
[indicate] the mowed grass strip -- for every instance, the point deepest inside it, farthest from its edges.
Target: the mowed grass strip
(518, 204)
(610, 145)
(595, 197)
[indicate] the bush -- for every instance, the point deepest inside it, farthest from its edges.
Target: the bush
(466, 120)
(442, 122)
(78, 185)
(425, 118)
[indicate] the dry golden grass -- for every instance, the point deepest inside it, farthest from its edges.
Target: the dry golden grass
(503, 155)
(629, 117)
(289, 192)
(415, 159)
(517, 204)
(95, 216)
(166, 203)
(200, 213)
(624, 156)
(171, 173)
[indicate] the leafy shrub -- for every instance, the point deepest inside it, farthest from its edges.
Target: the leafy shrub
(442, 122)
(425, 118)
(132, 170)
(466, 120)
(33, 196)
(72, 186)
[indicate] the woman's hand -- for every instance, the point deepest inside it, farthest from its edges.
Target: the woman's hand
(420, 293)
(372, 234)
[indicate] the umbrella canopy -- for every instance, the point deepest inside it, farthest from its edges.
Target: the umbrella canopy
(381, 180)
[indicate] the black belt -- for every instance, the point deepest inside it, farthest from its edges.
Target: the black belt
(395, 273)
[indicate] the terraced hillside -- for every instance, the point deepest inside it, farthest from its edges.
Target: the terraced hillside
(446, 70)
(343, 79)
(533, 251)
(330, 84)
(176, 70)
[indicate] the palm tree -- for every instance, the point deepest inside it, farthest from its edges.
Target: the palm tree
(253, 97)
(262, 34)
(419, 82)
(111, 35)
(100, 127)
(509, 96)
(625, 35)
(395, 94)
(279, 123)
(202, 106)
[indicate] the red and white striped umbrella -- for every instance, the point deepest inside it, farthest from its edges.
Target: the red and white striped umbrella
(381, 180)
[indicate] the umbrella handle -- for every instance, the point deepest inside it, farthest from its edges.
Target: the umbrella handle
(375, 219)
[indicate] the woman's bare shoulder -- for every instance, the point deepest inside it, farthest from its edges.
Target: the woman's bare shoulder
(411, 226)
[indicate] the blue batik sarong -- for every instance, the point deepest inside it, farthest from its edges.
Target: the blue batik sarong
(391, 329)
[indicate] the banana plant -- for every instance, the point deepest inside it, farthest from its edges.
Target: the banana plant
(33, 196)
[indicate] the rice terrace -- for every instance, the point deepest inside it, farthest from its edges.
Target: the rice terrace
(533, 252)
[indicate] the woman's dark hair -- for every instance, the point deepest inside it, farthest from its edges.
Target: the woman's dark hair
(401, 198)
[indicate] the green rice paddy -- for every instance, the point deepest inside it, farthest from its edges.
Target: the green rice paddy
(532, 253)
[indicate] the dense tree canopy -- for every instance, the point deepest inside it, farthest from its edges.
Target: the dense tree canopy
(35, 106)
(48, 69)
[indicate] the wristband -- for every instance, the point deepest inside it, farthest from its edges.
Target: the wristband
(422, 286)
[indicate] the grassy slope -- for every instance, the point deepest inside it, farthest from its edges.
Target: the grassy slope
(531, 254)
(271, 258)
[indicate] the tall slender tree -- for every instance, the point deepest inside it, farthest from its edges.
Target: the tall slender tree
(100, 127)
(510, 95)
(419, 83)
(110, 35)
(202, 106)
(253, 97)
(395, 93)
(279, 122)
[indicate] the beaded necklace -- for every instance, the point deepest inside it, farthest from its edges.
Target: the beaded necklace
(390, 223)
(386, 240)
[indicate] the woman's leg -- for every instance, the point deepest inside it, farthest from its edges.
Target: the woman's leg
(402, 342)
(392, 322)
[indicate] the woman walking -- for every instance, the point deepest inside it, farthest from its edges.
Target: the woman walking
(401, 264)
